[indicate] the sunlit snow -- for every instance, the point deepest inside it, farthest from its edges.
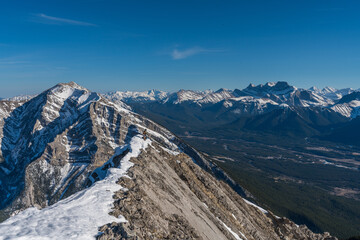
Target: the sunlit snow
(78, 216)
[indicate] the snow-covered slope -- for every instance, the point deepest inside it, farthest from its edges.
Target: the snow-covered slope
(331, 93)
(348, 105)
(80, 215)
(186, 96)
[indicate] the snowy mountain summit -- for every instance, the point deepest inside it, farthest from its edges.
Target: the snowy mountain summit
(77, 165)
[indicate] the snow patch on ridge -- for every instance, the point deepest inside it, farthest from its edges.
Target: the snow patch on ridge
(78, 216)
(254, 205)
(236, 236)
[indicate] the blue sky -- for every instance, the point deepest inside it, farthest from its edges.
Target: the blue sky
(169, 45)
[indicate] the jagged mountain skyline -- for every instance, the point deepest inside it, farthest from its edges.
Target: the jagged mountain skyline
(35, 89)
(324, 90)
(271, 94)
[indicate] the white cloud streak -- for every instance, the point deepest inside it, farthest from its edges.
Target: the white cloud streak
(177, 54)
(56, 20)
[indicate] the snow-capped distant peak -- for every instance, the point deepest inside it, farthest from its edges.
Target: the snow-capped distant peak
(270, 88)
(331, 93)
(188, 95)
(134, 96)
(314, 89)
(270, 84)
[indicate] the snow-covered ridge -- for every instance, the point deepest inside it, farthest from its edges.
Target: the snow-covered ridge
(332, 93)
(78, 216)
(151, 95)
(350, 109)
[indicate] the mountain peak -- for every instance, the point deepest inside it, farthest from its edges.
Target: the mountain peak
(221, 90)
(314, 89)
(281, 85)
(71, 85)
(68, 90)
(270, 84)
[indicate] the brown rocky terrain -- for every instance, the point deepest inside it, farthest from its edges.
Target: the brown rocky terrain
(170, 197)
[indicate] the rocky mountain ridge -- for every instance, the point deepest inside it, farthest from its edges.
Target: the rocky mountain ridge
(66, 150)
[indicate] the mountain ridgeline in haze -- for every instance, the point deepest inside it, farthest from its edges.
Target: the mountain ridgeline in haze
(296, 150)
(75, 164)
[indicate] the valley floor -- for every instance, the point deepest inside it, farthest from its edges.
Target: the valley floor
(311, 182)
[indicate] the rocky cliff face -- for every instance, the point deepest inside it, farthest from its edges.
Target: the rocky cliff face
(63, 150)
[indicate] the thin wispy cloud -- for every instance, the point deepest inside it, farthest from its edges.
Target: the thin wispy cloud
(177, 54)
(46, 19)
(12, 62)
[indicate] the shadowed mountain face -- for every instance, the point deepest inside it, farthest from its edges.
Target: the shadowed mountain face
(79, 157)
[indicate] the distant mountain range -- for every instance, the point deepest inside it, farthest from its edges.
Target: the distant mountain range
(272, 107)
(254, 99)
